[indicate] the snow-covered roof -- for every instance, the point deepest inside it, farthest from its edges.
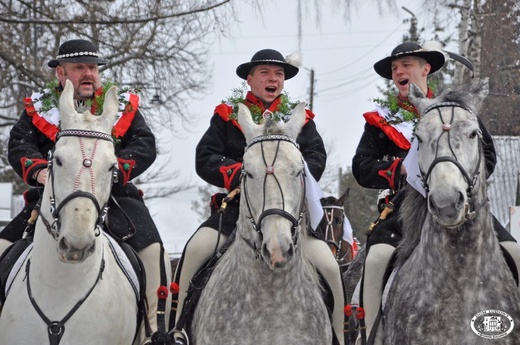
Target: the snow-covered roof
(503, 183)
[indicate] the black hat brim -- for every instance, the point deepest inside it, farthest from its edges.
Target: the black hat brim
(434, 58)
(289, 70)
(79, 59)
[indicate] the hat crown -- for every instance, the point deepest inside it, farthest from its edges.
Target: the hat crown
(268, 55)
(406, 47)
(76, 47)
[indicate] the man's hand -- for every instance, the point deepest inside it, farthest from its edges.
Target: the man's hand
(41, 176)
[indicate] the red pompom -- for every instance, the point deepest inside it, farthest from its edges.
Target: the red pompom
(360, 313)
(348, 310)
(174, 288)
(162, 292)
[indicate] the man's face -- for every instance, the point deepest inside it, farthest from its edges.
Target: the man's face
(410, 69)
(84, 76)
(266, 82)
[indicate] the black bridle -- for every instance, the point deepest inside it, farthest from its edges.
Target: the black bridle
(330, 237)
(471, 180)
(269, 171)
(54, 227)
(57, 328)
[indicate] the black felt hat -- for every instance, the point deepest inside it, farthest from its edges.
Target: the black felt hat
(80, 51)
(433, 57)
(267, 57)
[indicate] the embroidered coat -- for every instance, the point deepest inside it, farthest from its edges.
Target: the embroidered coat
(34, 135)
(220, 151)
(382, 149)
(377, 164)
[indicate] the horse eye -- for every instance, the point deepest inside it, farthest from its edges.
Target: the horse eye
(58, 161)
(474, 134)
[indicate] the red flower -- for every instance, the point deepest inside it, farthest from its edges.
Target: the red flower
(174, 288)
(162, 292)
(360, 313)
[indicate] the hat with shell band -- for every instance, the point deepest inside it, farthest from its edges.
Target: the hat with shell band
(434, 57)
(267, 57)
(79, 51)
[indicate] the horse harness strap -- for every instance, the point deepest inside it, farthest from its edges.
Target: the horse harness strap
(57, 328)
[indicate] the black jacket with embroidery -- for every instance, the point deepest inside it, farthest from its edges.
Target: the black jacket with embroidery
(378, 159)
(29, 146)
(220, 151)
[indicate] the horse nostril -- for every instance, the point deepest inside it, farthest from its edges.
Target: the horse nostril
(265, 251)
(290, 252)
(62, 244)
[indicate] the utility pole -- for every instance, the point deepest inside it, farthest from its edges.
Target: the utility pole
(311, 90)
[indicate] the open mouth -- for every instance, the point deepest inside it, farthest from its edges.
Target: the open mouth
(270, 89)
(403, 82)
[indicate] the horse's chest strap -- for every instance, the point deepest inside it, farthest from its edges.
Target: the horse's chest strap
(57, 328)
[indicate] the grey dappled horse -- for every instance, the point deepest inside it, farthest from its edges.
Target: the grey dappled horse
(450, 267)
(263, 289)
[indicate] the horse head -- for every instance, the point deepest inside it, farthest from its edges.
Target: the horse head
(273, 186)
(450, 153)
(81, 170)
(332, 226)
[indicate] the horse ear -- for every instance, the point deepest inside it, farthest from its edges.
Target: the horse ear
(67, 109)
(481, 89)
(245, 120)
(418, 98)
(294, 125)
(344, 197)
(110, 108)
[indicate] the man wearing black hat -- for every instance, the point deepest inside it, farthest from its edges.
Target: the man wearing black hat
(34, 135)
(219, 157)
(378, 164)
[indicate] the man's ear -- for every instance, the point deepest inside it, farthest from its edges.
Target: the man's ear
(59, 71)
(426, 69)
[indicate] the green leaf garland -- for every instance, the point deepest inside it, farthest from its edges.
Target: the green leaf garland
(282, 112)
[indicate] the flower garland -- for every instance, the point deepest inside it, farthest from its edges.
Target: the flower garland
(50, 96)
(282, 112)
(396, 114)
(401, 113)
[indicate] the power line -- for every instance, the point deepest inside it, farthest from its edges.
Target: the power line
(371, 50)
(348, 92)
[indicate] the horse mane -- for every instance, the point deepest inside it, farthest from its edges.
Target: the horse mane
(460, 95)
(412, 215)
(273, 128)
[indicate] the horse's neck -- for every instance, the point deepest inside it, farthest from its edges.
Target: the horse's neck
(474, 240)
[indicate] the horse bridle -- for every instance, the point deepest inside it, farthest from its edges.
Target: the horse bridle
(269, 171)
(54, 228)
(329, 229)
(57, 328)
(471, 180)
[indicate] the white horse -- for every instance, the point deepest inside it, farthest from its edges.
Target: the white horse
(452, 286)
(70, 290)
(263, 289)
